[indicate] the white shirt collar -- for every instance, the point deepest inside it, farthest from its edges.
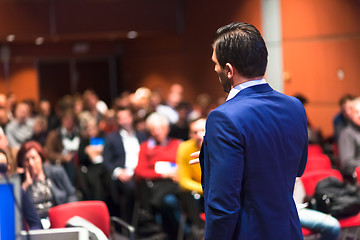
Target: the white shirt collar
(235, 90)
(125, 133)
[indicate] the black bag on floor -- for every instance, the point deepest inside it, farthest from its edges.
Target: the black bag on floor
(334, 197)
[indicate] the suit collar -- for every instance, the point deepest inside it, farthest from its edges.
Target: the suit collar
(255, 89)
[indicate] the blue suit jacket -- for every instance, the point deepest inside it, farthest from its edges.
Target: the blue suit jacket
(254, 147)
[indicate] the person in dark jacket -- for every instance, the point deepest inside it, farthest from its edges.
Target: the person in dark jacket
(121, 154)
(96, 183)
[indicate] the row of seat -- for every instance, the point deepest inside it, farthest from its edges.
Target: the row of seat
(95, 212)
(318, 168)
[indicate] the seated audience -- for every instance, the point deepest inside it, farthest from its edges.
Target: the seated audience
(202, 106)
(47, 185)
(181, 128)
(349, 141)
(190, 175)
(45, 110)
(11, 102)
(96, 183)
(139, 101)
(314, 133)
(31, 218)
(10, 153)
(121, 155)
(168, 108)
(5, 115)
(4, 120)
(156, 160)
(91, 104)
(40, 130)
(62, 144)
(20, 129)
(342, 119)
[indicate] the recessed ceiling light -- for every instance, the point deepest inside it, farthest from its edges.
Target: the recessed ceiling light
(132, 34)
(10, 38)
(39, 40)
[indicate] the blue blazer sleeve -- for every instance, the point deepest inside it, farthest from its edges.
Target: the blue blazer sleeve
(224, 173)
(114, 153)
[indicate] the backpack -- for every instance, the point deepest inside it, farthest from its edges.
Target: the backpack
(334, 197)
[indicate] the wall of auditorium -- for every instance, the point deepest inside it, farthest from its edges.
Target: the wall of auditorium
(186, 57)
(321, 47)
(22, 80)
(153, 60)
(321, 51)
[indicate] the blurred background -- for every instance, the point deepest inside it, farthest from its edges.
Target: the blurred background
(50, 48)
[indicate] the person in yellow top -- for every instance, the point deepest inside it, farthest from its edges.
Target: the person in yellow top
(190, 175)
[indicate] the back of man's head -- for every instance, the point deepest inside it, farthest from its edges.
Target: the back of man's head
(241, 45)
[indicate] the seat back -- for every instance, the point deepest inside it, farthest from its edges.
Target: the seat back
(357, 172)
(318, 162)
(314, 149)
(311, 178)
(95, 212)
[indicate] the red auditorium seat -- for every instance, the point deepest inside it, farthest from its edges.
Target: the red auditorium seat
(314, 149)
(347, 226)
(311, 178)
(202, 216)
(95, 212)
(353, 221)
(318, 162)
(357, 171)
(306, 232)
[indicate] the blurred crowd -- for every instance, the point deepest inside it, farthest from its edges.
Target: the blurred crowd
(125, 154)
(133, 154)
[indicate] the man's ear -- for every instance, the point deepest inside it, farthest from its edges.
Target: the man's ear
(229, 70)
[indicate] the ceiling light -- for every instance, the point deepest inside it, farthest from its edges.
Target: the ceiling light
(10, 38)
(39, 40)
(132, 34)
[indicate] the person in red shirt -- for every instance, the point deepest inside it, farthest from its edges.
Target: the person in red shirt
(157, 167)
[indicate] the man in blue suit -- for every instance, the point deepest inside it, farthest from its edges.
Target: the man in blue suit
(254, 147)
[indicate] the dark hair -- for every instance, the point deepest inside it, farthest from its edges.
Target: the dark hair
(121, 109)
(183, 105)
(301, 98)
(345, 98)
(27, 146)
(69, 113)
(241, 45)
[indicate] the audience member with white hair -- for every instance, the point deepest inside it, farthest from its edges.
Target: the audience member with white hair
(157, 166)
